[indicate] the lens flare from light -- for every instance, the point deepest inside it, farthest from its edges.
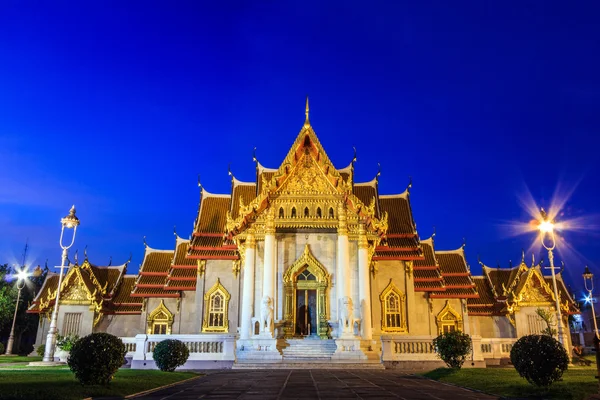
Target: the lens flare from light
(546, 227)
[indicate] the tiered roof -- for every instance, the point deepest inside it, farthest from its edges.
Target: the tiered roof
(106, 287)
(502, 290)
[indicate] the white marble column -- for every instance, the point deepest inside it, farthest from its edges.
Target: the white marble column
(248, 288)
(268, 276)
(344, 286)
(364, 284)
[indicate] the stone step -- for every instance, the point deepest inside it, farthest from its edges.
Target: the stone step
(309, 364)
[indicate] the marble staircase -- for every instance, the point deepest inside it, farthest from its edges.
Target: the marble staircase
(308, 349)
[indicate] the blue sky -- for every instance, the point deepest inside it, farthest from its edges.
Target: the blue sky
(117, 107)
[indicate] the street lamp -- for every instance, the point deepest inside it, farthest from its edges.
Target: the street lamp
(22, 276)
(546, 227)
(69, 222)
(588, 277)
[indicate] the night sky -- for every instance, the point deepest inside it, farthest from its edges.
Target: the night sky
(117, 108)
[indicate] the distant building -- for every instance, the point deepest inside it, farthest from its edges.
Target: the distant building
(303, 264)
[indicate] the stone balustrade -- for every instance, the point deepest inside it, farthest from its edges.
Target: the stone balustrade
(496, 348)
(206, 350)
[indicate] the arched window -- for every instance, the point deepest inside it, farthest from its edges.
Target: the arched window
(393, 309)
(330, 212)
(448, 320)
(318, 212)
(293, 212)
(281, 212)
(216, 306)
(160, 320)
(306, 212)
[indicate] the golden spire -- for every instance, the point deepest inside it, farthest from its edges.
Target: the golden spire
(307, 122)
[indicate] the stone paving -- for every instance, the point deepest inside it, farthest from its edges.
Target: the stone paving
(312, 384)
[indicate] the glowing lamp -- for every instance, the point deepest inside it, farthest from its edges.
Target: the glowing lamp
(23, 274)
(546, 225)
(71, 220)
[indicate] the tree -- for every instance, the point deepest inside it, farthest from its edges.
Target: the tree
(546, 316)
(8, 296)
(453, 348)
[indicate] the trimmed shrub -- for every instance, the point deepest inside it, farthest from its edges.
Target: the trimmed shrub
(540, 359)
(453, 348)
(170, 354)
(2, 349)
(95, 358)
(41, 349)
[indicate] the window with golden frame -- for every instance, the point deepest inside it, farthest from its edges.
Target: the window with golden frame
(448, 320)
(160, 320)
(216, 306)
(393, 309)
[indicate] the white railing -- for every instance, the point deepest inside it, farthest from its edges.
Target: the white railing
(496, 348)
(419, 348)
(407, 348)
(202, 348)
(130, 345)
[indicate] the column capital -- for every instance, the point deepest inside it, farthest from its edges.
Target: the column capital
(342, 218)
(270, 223)
(362, 237)
(250, 241)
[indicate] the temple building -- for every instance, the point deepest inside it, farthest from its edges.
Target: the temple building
(303, 264)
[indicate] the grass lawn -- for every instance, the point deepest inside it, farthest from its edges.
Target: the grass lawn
(46, 383)
(14, 359)
(577, 383)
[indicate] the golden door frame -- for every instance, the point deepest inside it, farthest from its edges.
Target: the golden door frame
(321, 284)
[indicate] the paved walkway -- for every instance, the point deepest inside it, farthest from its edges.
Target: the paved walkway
(312, 384)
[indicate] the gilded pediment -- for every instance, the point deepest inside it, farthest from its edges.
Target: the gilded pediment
(307, 178)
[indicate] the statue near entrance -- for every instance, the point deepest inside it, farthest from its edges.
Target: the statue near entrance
(266, 314)
(346, 316)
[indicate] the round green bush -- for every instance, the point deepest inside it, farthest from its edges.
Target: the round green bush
(170, 354)
(94, 359)
(40, 350)
(453, 348)
(540, 359)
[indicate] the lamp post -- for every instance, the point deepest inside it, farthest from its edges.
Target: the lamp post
(546, 227)
(70, 221)
(22, 276)
(588, 277)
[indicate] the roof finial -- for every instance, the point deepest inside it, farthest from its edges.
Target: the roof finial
(354, 158)
(85, 252)
(77, 257)
(145, 244)
(229, 171)
(433, 234)
(199, 184)
(254, 155)
(378, 172)
(130, 256)
(479, 261)
(307, 122)
(175, 230)
(464, 243)
(110, 261)
(532, 259)
(409, 184)
(522, 256)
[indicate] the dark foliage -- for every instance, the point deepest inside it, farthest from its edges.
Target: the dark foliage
(540, 359)
(453, 348)
(41, 349)
(170, 354)
(96, 358)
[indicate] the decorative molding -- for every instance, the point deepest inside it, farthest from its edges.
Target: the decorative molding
(393, 309)
(222, 325)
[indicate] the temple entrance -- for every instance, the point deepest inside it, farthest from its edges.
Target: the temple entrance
(305, 305)
(306, 316)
